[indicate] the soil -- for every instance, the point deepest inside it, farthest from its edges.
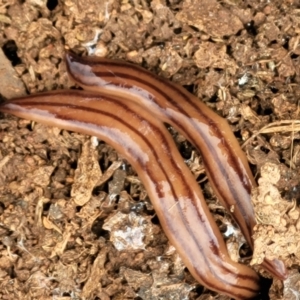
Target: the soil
(75, 220)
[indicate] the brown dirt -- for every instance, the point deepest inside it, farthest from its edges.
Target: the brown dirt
(75, 221)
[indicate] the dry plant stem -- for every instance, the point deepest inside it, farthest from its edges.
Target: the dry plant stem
(174, 192)
(225, 162)
(280, 126)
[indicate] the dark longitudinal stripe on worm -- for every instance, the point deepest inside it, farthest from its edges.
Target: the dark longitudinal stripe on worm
(125, 75)
(176, 104)
(267, 263)
(120, 83)
(245, 221)
(181, 110)
(100, 112)
(193, 141)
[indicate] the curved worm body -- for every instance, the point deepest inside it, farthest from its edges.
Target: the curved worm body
(175, 194)
(225, 163)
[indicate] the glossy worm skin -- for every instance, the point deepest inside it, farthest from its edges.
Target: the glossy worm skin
(225, 163)
(146, 144)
